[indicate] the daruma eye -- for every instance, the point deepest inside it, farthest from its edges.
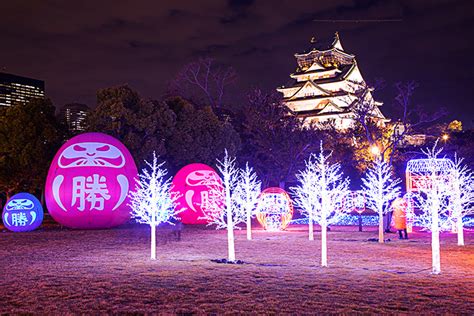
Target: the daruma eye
(103, 148)
(79, 148)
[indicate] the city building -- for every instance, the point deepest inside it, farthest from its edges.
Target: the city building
(74, 116)
(16, 89)
(326, 87)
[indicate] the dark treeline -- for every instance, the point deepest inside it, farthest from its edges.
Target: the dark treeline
(182, 128)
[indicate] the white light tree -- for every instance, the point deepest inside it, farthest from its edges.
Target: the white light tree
(248, 188)
(462, 195)
(306, 195)
(319, 195)
(432, 200)
(224, 210)
(380, 188)
(152, 202)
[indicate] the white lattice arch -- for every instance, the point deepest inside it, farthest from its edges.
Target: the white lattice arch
(425, 166)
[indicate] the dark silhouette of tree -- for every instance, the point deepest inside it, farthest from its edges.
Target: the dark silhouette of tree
(142, 125)
(274, 141)
(409, 118)
(203, 82)
(199, 135)
(29, 137)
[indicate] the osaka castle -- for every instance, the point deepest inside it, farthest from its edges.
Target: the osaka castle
(326, 85)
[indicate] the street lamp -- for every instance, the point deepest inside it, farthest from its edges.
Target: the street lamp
(375, 150)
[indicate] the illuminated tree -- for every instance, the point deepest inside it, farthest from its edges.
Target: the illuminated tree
(462, 195)
(224, 210)
(249, 188)
(455, 126)
(432, 200)
(320, 194)
(152, 202)
(380, 188)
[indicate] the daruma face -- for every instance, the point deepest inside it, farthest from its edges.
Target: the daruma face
(22, 212)
(89, 181)
(193, 183)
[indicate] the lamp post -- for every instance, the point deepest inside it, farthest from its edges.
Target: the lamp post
(375, 150)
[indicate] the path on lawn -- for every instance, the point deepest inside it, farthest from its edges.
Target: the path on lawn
(57, 271)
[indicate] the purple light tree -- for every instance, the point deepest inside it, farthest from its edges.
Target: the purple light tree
(380, 188)
(319, 195)
(249, 188)
(461, 196)
(432, 200)
(152, 202)
(225, 211)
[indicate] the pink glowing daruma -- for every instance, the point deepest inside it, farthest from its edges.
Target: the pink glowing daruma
(193, 183)
(88, 182)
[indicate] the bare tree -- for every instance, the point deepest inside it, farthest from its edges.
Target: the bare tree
(410, 116)
(204, 82)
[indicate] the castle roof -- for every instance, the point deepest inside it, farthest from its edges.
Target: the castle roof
(323, 83)
(344, 71)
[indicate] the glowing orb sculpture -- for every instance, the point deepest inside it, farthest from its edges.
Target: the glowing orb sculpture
(88, 182)
(194, 184)
(274, 209)
(22, 212)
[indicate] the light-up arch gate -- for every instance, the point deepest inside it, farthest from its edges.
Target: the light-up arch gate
(419, 175)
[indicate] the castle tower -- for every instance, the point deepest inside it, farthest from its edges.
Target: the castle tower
(325, 87)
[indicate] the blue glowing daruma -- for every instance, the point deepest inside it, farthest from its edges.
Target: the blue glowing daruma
(22, 212)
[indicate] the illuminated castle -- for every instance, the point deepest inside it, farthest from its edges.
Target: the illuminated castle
(327, 80)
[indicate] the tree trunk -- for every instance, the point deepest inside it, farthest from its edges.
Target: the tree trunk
(230, 242)
(324, 245)
(454, 227)
(310, 225)
(153, 242)
(249, 225)
(435, 252)
(381, 237)
(436, 258)
(230, 236)
(460, 229)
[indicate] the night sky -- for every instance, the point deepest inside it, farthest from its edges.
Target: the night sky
(78, 47)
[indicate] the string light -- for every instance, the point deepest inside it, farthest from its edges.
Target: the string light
(274, 209)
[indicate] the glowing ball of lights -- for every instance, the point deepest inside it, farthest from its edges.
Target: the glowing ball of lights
(274, 209)
(88, 182)
(22, 212)
(195, 183)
